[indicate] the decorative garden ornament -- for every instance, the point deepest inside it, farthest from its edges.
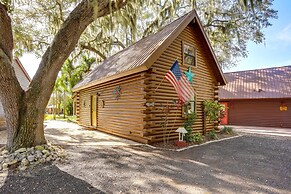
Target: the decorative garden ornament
(189, 75)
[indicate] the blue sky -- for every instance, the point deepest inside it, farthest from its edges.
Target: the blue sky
(275, 51)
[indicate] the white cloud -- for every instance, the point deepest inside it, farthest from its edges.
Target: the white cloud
(285, 34)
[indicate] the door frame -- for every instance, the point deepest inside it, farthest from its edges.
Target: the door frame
(92, 98)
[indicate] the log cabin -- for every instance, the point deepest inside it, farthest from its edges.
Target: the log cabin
(259, 97)
(23, 79)
(127, 94)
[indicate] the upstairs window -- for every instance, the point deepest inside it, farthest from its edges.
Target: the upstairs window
(189, 54)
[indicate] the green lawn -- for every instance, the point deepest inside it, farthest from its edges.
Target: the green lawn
(60, 118)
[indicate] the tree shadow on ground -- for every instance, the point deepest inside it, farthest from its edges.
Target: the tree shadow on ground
(241, 165)
(83, 136)
(45, 179)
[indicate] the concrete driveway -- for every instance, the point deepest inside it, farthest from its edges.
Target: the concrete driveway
(64, 133)
(284, 132)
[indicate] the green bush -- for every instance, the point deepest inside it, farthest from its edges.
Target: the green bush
(190, 119)
(212, 134)
(227, 130)
(197, 137)
(213, 110)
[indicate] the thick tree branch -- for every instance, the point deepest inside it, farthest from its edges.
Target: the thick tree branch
(11, 92)
(117, 42)
(219, 23)
(108, 40)
(7, 73)
(90, 48)
(6, 38)
(65, 41)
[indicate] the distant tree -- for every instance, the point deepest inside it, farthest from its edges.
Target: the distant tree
(69, 76)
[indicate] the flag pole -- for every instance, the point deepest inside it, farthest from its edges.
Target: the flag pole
(159, 84)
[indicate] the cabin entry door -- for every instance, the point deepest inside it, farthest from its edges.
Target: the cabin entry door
(94, 110)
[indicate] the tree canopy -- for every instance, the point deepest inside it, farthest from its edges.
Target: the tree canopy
(227, 23)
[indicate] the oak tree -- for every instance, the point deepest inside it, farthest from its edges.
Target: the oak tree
(24, 110)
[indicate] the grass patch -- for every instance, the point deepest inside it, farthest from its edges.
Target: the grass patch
(60, 118)
(227, 130)
(212, 134)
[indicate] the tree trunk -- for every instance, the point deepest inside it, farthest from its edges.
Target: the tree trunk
(24, 110)
(30, 126)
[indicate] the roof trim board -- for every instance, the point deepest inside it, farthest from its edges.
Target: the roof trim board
(113, 77)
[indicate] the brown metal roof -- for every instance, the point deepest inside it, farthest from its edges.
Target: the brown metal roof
(255, 84)
(139, 56)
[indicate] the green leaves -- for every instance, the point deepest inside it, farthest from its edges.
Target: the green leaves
(227, 23)
(68, 77)
(230, 27)
(189, 121)
(212, 110)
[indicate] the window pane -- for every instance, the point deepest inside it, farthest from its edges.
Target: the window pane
(189, 55)
(191, 51)
(189, 59)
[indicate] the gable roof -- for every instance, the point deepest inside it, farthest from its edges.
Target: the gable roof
(257, 84)
(21, 74)
(140, 55)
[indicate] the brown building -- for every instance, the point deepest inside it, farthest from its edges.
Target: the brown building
(259, 97)
(127, 94)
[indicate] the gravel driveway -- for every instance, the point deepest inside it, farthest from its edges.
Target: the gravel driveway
(247, 164)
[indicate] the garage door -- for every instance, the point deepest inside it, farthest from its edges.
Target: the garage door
(264, 113)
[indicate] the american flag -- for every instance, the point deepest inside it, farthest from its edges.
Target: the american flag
(182, 86)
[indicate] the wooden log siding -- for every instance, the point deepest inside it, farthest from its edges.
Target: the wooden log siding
(123, 116)
(130, 117)
(204, 84)
(77, 106)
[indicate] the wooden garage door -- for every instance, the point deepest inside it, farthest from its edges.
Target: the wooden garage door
(264, 113)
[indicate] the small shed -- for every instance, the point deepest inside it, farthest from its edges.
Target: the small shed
(127, 94)
(23, 79)
(260, 97)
